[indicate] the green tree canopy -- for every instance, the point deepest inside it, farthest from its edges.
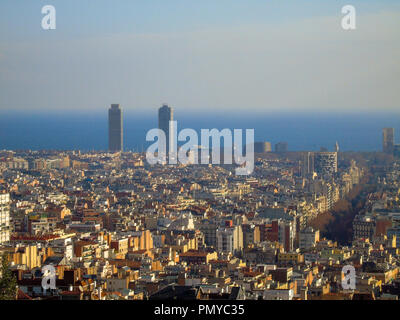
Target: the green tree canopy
(8, 282)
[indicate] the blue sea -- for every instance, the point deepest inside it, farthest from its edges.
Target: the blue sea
(302, 131)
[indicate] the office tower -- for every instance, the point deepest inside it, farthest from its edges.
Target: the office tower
(115, 129)
(388, 140)
(262, 147)
(328, 191)
(336, 147)
(396, 150)
(4, 218)
(286, 233)
(325, 163)
(308, 163)
(192, 156)
(281, 147)
(165, 115)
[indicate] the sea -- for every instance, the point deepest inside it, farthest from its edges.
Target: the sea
(88, 131)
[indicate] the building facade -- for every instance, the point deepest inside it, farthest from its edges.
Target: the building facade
(4, 218)
(388, 140)
(308, 164)
(262, 147)
(115, 128)
(308, 238)
(230, 239)
(325, 163)
(281, 147)
(165, 115)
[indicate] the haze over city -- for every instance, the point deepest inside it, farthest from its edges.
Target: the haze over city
(198, 157)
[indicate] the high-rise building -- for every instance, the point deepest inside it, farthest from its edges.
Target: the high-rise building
(286, 233)
(4, 218)
(281, 147)
(388, 140)
(396, 150)
(115, 129)
(325, 163)
(308, 163)
(262, 147)
(336, 147)
(165, 115)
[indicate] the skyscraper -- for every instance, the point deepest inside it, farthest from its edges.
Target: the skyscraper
(115, 129)
(396, 150)
(336, 147)
(281, 147)
(165, 115)
(4, 218)
(325, 163)
(388, 140)
(262, 147)
(308, 163)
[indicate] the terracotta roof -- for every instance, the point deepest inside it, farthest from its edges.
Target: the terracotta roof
(33, 238)
(23, 296)
(193, 254)
(219, 261)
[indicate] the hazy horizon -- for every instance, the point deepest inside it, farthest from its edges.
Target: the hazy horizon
(89, 131)
(202, 56)
(286, 69)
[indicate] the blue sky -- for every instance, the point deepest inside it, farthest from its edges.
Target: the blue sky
(20, 19)
(261, 55)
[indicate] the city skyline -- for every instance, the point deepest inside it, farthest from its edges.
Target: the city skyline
(302, 131)
(115, 129)
(199, 158)
(388, 140)
(165, 116)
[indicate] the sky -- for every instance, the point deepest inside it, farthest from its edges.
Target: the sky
(200, 56)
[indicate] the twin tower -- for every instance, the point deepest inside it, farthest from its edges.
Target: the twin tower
(116, 130)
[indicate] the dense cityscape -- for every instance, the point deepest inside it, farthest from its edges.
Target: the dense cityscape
(117, 228)
(194, 159)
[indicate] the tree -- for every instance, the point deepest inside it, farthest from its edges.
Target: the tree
(8, 282)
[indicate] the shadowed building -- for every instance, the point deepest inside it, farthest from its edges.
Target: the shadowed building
(325, 163)
(396, 150)
(165, 115)
(115, 129)
(281, 147)
(308, 164)
(388, 140)
(262, 147)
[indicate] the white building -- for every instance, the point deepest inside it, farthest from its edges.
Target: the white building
(17, 163)
(4, 218)
(308, 238)
(229, 239)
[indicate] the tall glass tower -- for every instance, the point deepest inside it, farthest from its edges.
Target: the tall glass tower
(165, 115)
(388, 140)
(115, 129)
